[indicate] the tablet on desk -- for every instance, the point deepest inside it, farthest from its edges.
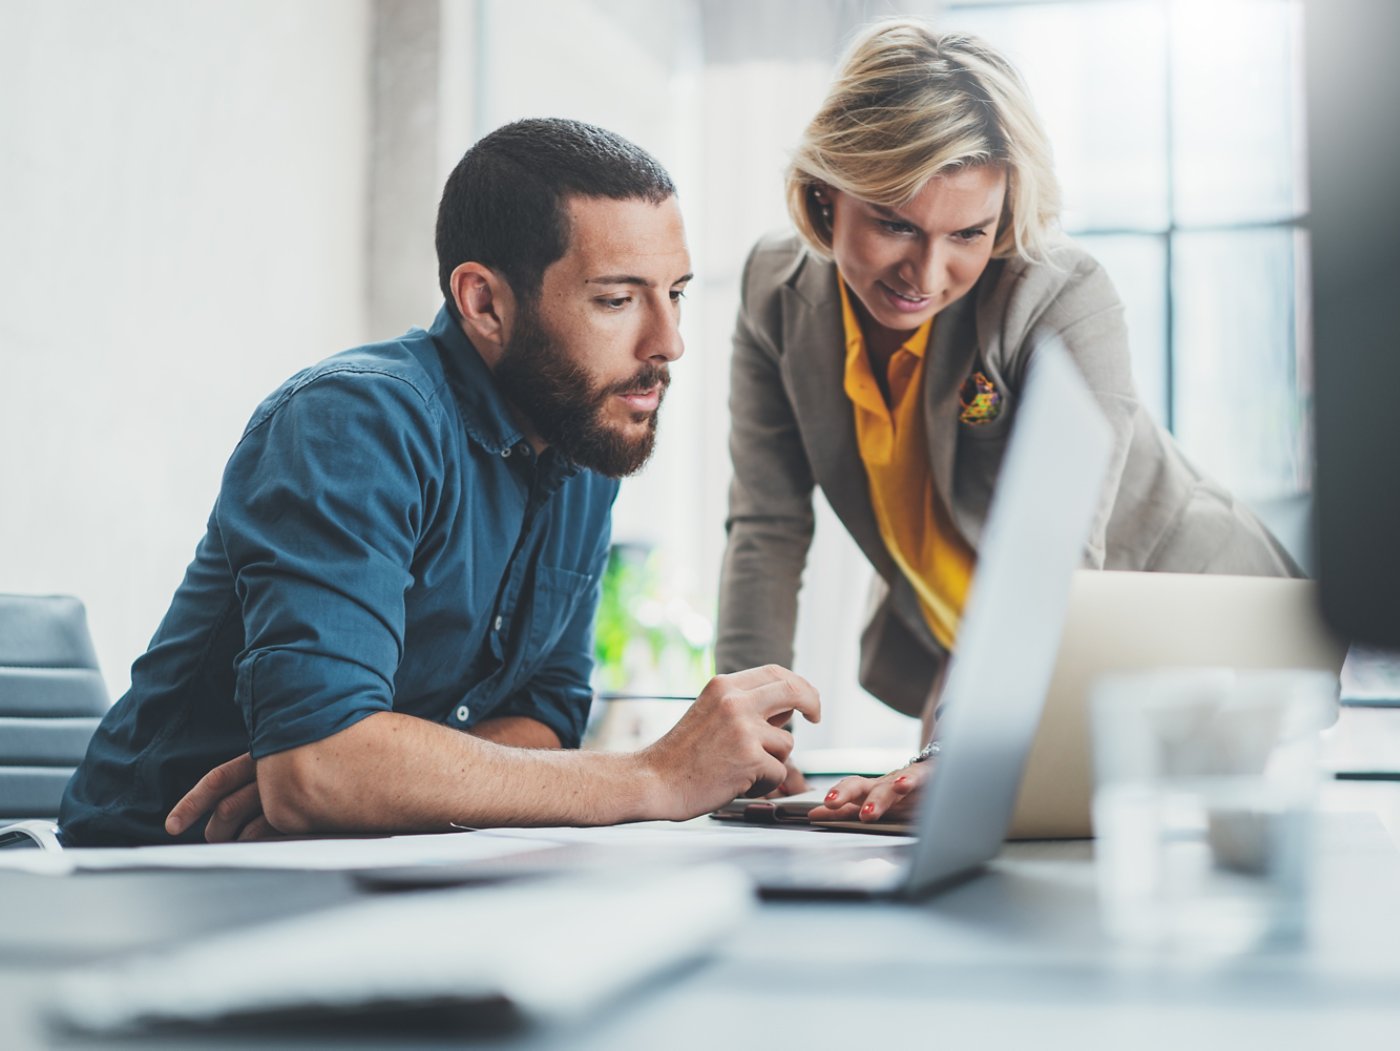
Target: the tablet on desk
(788, 810)
(795, 810)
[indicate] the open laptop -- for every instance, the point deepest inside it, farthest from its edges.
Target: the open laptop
(1049, 486)
(1126, 622)
(1131, 622)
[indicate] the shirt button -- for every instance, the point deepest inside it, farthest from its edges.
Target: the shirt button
(463, 712)
(505, 453)
(496, 626)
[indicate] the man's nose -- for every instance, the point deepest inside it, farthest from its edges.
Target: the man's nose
(663, 340)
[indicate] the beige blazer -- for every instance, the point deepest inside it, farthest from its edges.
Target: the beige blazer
(792, 427)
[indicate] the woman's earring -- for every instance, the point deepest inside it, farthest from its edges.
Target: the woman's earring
(823, 207)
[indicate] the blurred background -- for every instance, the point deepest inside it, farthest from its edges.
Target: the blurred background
(198, 199)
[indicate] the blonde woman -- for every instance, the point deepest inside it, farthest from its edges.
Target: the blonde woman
(880, 354)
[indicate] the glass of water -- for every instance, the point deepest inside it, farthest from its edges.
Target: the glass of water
(1205, 787)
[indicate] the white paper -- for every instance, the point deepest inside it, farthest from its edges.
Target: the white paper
(297, 854)
(719, 836)
(341, 854)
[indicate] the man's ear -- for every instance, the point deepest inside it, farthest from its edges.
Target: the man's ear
(487, 306)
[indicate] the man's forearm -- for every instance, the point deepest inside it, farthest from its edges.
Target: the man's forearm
(396, 773)
(517, 731)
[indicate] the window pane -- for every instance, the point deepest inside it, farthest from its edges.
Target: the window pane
(1137, 264)
(1235, 99)
(1241, 399)
(1097, 76)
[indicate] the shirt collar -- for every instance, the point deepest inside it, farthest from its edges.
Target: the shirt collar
(861, 386)
(485, 413)
(916, 343)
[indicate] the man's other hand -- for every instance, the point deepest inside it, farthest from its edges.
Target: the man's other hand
(229, 795)
(731, 741)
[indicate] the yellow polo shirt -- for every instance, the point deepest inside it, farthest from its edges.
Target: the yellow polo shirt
(915, 526)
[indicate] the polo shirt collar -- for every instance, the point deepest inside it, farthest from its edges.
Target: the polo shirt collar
(860, 383)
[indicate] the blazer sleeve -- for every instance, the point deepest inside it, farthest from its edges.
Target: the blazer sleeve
(769, 526)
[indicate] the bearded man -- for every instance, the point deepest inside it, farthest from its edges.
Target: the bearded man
(387, 625)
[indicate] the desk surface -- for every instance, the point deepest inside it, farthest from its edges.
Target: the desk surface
(1013, 958)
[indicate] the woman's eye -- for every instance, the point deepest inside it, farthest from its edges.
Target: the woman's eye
(896, 227)
(968, 236)
(677, 294)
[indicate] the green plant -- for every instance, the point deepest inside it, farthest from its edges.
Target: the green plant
(647, 636)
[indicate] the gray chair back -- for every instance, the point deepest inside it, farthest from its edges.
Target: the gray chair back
(51, 699)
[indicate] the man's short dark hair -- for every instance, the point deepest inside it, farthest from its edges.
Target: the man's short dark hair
(505, 204)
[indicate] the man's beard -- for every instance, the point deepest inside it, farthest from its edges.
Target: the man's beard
(566, 407)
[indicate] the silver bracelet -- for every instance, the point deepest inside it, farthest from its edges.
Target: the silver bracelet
(929, 751)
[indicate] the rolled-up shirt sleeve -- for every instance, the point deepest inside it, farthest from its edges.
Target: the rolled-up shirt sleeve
(322, 506)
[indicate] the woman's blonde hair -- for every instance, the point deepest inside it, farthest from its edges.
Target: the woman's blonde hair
(909, 104)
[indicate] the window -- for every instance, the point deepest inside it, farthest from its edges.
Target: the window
(1176, 128)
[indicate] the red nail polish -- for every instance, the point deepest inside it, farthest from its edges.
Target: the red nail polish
(900, 780)
(831, 795)
(869, 808)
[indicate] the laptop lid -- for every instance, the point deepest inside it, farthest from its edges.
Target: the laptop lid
(1125, 622)
(1040, 515)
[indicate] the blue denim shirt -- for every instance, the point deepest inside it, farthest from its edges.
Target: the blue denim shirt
(384, 539)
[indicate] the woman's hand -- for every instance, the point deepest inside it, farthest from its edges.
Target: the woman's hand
(893, 796)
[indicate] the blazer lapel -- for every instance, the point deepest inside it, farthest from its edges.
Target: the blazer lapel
(951, 355)
(814, 369)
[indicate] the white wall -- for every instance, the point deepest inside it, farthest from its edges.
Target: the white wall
(191, 195)
(182, 225)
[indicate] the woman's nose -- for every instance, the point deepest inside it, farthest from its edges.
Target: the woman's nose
(925, 270)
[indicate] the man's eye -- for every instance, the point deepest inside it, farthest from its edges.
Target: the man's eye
(615, 302)
(677, 294)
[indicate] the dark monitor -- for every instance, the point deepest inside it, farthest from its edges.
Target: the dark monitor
(1352, 78)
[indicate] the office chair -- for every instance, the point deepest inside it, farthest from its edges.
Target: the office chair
(51, 699)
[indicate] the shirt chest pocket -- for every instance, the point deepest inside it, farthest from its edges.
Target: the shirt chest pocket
(558, 596)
